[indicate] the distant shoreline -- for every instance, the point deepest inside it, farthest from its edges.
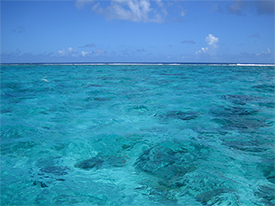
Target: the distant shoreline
(143, 63)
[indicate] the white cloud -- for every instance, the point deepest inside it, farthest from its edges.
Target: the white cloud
(161, 5)
(62, 52)
(80, 4)
(71, 52)
(97, 52)
(100, 51)
(131, 10)
(264, 52)
(182, 13)
(70, 49)
(68, 52)
(204, 50)
(83, 53)
(212, 42)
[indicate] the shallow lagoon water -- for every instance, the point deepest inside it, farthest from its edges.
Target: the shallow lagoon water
(137, 135)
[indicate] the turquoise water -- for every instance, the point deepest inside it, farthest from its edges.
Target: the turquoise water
(137, 135)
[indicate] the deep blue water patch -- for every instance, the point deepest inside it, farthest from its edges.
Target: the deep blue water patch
(137, 135)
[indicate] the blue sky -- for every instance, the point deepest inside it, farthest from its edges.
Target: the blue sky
(237, 31)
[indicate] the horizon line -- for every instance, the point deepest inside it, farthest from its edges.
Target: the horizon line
(142, 63)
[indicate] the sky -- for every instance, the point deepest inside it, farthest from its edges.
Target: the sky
(237, 31)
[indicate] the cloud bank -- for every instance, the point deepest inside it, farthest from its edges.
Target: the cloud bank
(188, 42)
(261, 6)
(88, 45)
(80, 4)
(237, 7)
(129, 10)
(19, 29)
(255, 35)
(265, 7)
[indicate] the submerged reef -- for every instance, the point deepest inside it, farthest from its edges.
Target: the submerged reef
(178, 115)
(167, 160)
(99, 162)
(266, 193)
(239, 118)
(179, 169)
(48, 172)
(265, 88)
(238, 99)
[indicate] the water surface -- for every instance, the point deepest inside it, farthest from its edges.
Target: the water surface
(137, 135)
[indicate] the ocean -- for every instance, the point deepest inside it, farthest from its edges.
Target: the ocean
(137, 134)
